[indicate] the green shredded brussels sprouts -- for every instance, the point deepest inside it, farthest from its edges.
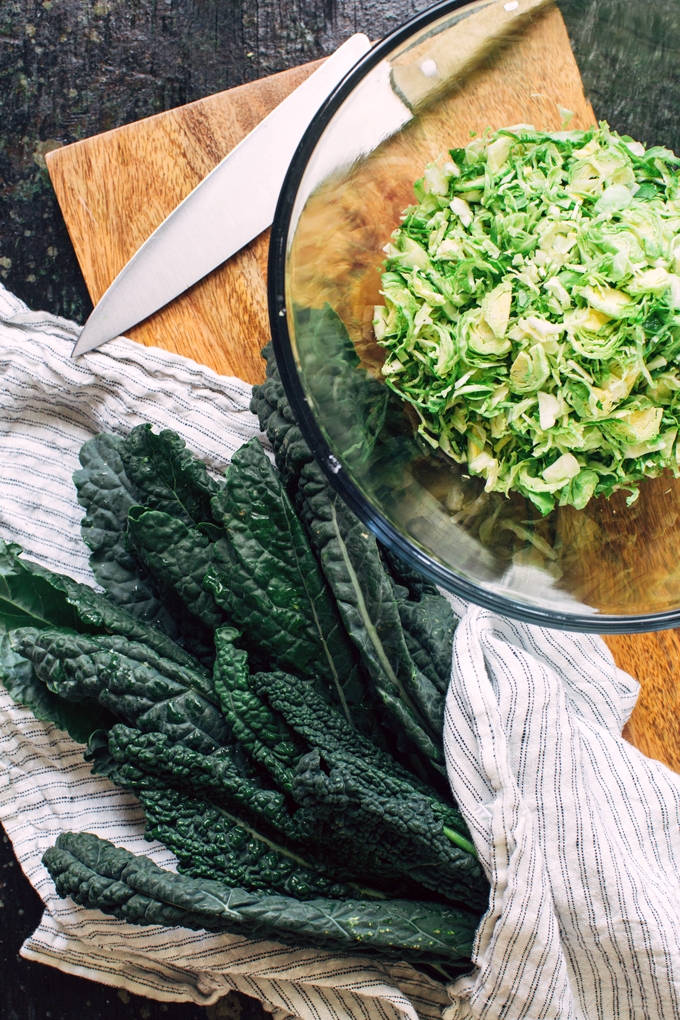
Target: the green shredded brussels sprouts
(532, 312)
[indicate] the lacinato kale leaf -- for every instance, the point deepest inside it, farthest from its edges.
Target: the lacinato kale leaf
(416, 583)
(359, 402)
(107, 494)
(386, 826)
(270, 403)
(318, 723)
(428, 625)
(159, 473)
(178, 558)
(98, 875)
(223, 777)
(209, 840)
(19, 678)
(129, 679)
(427, 618)
(210, 843)
(262, 732)
(166, 476)
(379, 821)
(32, 595)
(322, 727)
(351, 563)
(350, 791)
(265, 576)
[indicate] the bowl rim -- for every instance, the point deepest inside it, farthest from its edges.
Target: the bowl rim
(334, 471)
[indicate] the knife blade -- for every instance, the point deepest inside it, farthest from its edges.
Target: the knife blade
(237, 200)
(230, 207)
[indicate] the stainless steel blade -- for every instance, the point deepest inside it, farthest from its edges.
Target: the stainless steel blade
(234, 203)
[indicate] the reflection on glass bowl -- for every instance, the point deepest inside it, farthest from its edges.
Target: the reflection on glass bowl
(457, 69)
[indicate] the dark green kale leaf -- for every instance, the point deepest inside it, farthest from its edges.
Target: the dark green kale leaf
(129, 679)
(106, 493)
(210, 842)
(322, 727)
(34, 597)
(380, 822)
(177, 557)
(98, 875)
(359, 813)
(19, 679)
(270, 403)
(31, 595)
(359, 402)
(352, 565)
(262, 732)
(415, 582)
(427, 618)
(429, 625)
(224, 777)
(369, 809)
(150, 763)
(166, 476)
(266, 577)
(318, 723)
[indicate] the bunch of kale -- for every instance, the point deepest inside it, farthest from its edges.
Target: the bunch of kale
(269, 682)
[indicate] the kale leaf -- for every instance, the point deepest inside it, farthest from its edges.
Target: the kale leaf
(270, 403)
(223, 777)
(19, 678)
(166, 476)
(32, 595)
(351, 562)
(98, 875)
(359, 402)
(381, 823)
(107, 494)
(127, 678)
(427, 618)
(178, 558)
(210, 843)
(262, 732)
(34, 598)
(265, 576)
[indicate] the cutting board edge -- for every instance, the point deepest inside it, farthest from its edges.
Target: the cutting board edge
(55, 156)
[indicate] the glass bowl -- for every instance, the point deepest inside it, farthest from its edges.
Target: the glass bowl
(455, 70)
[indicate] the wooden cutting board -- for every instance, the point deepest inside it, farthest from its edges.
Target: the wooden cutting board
(116, 188)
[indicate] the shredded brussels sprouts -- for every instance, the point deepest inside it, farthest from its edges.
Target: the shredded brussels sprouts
(532, 312)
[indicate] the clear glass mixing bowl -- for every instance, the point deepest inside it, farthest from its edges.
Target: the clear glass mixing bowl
(456, 69)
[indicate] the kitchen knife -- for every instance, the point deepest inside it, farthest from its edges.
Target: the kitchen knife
(230, 207)
(237, 200)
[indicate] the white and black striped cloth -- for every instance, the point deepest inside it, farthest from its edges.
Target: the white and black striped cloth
(578, 832)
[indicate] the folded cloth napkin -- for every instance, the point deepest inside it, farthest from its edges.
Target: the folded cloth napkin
(578, 832)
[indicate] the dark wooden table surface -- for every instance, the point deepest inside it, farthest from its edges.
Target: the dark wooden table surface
(73, 68)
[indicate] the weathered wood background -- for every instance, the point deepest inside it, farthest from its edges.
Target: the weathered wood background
(74, 68)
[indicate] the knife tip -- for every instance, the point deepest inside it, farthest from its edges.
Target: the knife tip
(90, 337)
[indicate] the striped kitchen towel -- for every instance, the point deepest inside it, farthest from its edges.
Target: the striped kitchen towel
(578, 832)
(49, 406)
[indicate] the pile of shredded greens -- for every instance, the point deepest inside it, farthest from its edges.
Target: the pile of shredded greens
(532, 312)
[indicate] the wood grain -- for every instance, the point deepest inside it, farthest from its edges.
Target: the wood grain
(114, 190)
